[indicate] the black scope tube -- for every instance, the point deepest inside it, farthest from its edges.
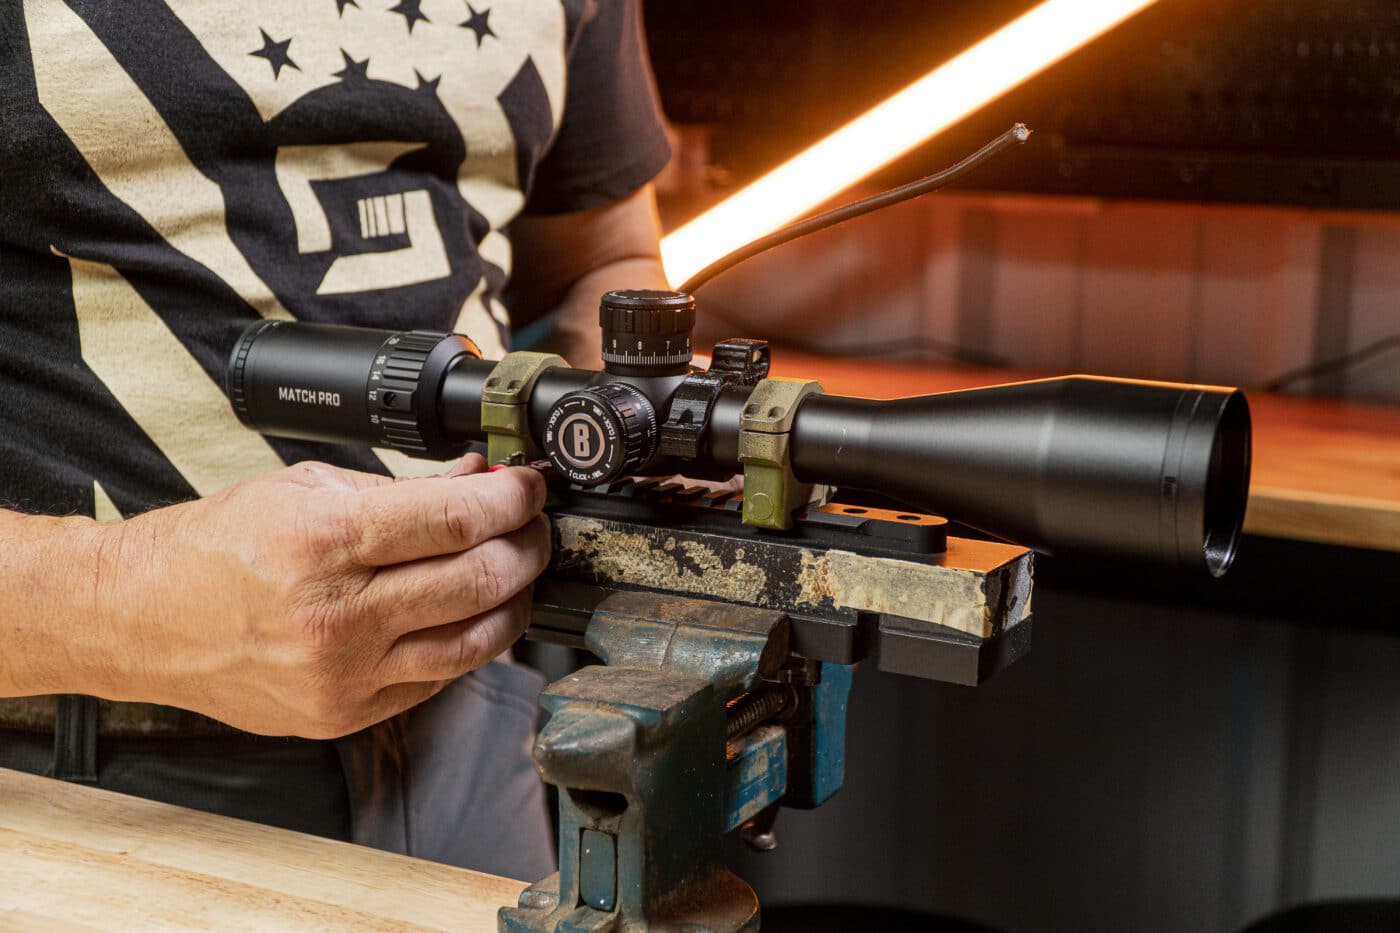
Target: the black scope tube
(1155, 471)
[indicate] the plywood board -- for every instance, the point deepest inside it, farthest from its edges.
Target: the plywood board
(76, 858)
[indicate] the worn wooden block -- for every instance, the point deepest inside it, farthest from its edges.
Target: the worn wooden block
(976, 587)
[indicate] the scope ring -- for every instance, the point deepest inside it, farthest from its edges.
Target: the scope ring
(771, 491)
(504, 397)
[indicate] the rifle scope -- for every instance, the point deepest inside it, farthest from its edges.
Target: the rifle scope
(1149, 470)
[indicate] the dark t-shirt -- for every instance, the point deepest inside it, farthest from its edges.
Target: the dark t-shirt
(171, 171)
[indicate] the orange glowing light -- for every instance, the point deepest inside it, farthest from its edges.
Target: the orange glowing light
(1006, 58)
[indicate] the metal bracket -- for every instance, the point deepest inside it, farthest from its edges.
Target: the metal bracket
(744, 360)
(504, 399)
(771, 492)
(738, 362)
(689, 416)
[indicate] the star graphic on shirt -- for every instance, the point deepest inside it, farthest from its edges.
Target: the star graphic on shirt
(479, 23)
(340, 5)
(276, 54)
(411, 11)
(353, 70)
(425, 85)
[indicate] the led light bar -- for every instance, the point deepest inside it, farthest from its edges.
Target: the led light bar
(1011, 55)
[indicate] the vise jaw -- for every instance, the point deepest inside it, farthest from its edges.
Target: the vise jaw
(648, 783)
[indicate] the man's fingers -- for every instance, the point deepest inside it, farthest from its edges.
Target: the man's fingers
(437, 590)
(445, 652)
(437, 515)
(468, 465)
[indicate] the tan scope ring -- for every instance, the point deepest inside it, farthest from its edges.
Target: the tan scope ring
(771, 492)
(504, 404)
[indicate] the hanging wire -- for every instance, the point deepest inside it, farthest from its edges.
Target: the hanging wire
(1013, 137)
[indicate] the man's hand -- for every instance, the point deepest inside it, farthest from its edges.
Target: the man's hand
(315, 601)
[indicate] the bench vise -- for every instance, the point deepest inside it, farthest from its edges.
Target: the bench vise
(727, 655)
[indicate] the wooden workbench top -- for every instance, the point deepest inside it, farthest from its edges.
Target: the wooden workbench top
(1324, 470)
(73, 858)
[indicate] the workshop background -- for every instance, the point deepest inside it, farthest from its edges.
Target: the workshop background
(1211, 195)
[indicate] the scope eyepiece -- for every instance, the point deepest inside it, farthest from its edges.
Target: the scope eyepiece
(328, 382)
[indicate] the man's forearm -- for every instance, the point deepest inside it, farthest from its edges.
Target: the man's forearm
(50, 582)
(564, 263)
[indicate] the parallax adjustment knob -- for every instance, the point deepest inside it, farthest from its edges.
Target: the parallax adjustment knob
(600, 434)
